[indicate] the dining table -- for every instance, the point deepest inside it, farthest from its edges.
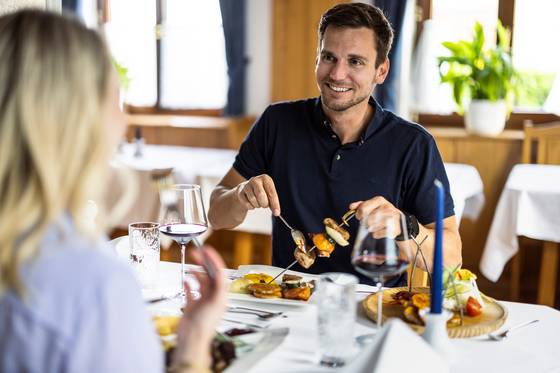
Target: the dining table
(293, 339)
(528, 206)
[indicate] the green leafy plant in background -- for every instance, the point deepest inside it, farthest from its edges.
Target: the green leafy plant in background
(535, 87)
(476, 73)
(122, 72)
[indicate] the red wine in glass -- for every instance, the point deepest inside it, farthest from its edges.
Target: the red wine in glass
(182, 233)
(378, 258)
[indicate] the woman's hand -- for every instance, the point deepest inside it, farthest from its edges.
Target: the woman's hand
(202, 315)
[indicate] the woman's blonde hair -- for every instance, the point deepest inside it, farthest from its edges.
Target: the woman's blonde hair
(54, 76)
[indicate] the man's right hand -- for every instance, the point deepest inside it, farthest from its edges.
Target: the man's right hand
(259, 192)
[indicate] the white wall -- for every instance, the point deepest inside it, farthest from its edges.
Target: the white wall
(7, 6)
(258, 43)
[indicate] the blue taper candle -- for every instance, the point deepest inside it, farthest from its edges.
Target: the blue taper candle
(437, 271)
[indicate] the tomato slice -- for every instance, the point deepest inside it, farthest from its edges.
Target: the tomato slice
(473, 307)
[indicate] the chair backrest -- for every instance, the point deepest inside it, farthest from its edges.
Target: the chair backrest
(419, 278)
(546, 139)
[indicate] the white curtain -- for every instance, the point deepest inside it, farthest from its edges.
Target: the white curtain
(428, 95)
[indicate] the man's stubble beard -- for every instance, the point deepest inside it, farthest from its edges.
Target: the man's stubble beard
(345, 105)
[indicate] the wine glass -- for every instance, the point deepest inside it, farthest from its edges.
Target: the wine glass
(379, 258)
(182, 217)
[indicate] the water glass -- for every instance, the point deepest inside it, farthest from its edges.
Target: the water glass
(336, 305)
(144, 252)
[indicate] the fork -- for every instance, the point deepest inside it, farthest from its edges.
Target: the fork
(262, 315)
(256, 326)
(503, 335)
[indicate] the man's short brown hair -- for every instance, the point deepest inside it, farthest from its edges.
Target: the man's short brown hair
(355, 15)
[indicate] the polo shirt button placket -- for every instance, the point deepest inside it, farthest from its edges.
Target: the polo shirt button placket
(338, 157)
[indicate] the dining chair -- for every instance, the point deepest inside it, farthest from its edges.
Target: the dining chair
(541, 145)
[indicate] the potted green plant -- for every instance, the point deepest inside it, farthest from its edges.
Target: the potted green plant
(483, 80)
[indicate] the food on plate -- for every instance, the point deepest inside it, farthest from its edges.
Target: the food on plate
(460, 285)
(265, 290)
(473, 308)
(294, 287)
(462, 297)
(239, 285)
(261, 278)
(292, 281)
(299, 293)
(166, 325)
(305, 259)
(337, 233)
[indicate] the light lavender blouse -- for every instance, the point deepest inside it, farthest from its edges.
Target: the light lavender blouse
(83, 313)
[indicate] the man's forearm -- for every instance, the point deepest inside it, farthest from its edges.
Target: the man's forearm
(225, 211)
(451, 247)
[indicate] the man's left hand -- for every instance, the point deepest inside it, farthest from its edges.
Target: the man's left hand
(380, 214)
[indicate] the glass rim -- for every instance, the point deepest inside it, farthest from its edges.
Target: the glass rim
(144, 225)
(183, 187)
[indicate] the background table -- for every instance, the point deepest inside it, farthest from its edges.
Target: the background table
(529, 206)
(534, 349)
(207, 166)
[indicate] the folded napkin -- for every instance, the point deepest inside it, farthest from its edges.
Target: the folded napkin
(397, 348)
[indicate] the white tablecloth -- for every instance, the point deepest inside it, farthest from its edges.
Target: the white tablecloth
(206, 167)
(529, 206)
(533, 349)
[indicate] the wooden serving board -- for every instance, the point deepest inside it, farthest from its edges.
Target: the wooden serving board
(493, 315)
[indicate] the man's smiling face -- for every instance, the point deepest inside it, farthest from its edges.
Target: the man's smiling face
(345, 69)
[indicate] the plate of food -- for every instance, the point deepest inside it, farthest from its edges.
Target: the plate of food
(232, 351)
(253, 283)
(472, 313)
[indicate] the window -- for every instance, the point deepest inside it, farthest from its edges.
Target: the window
(534, 30)
(174, 51)
(533, 49)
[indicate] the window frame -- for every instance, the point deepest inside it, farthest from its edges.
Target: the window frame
(506, 14)
(105, 16)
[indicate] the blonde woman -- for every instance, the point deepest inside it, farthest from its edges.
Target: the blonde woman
(66, 304)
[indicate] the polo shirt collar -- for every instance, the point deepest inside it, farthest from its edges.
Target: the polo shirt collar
(321, 119)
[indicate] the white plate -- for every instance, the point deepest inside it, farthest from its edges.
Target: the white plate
(262, 344)
(271, 271)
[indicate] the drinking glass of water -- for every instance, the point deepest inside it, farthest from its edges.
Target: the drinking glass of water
(336, 305)
(144, 252)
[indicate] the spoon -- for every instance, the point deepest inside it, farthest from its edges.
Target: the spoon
(297, 236)
(503, 335)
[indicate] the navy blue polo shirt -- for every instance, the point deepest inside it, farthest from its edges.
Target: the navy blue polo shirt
(318, 177)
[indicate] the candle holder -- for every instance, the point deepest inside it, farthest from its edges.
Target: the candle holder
(435, 334)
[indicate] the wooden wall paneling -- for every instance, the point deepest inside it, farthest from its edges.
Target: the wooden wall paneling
(494, 159)
(294, 46)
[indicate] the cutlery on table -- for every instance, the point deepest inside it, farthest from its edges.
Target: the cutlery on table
(262, 315)
(251, 325)
(503, 335)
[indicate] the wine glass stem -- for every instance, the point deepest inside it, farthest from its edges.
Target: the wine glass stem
(379, 304)
(183, 278)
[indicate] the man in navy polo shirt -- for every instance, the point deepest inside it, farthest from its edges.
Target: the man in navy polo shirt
(320, 157)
